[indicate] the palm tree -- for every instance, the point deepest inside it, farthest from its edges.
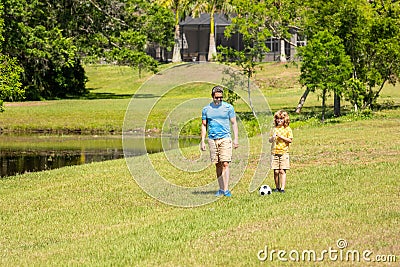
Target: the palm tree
(211, 7)
(180, 8)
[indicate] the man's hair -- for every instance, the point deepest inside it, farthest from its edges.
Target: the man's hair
(217, 89)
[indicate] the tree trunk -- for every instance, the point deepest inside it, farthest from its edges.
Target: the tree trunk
(212, 50)
(323, 105)
(336, 105)
(250, 102)
(176, 56)
(282, 57)
(302, 100)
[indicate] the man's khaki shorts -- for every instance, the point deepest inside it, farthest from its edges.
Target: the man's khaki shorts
(220, 150)
(280, 162)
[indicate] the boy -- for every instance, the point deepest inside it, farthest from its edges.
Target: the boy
(280, 137)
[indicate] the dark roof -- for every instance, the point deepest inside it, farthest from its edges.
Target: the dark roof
(204, 19)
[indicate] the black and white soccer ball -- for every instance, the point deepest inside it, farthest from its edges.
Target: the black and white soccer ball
(265, 190)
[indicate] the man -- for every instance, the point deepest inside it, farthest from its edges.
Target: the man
(217, 117)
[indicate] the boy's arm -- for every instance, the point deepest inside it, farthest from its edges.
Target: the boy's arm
(272, 136)
(286, 139)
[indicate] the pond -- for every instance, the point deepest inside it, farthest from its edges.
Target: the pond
(22, 153)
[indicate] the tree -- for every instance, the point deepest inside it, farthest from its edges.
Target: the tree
(149, 24)
(282, 14)
(50, 38)
(250, 23)
(10, 79)
(371, 37)
(325, 66)
(180, 8)
(212, 7)
(120, 31)
(49, 59)
(379, 58)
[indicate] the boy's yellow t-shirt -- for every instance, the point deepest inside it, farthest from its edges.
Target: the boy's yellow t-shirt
(280, 146)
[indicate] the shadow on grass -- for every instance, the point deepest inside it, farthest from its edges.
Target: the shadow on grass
(107, 96)
(204, 192)
(93, 95)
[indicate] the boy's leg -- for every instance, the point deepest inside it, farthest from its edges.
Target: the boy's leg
(283, 178)
(275, 166)
(282, 170)
(276, 179)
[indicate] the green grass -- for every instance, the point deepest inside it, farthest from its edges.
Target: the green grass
(102, 111)
(343, 185)
(96, 214)
(112, 87)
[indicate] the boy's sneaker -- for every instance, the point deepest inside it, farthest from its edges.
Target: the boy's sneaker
(227, 193)
(276, 190)
(219, 193)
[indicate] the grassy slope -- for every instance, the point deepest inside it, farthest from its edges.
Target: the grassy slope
(103, 110)
(343, 184)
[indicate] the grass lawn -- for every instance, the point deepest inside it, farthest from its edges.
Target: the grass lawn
(343, 185)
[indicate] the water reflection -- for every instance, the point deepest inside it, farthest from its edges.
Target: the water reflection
(31, 153)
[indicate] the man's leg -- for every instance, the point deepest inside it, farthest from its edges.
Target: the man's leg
(225, 175)
(225, 156)
(219, 171)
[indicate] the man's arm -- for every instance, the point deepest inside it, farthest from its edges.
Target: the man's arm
(203, 134)
(235, 133)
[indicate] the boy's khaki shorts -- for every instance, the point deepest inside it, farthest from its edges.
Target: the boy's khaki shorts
(280, 162)
(220, 150)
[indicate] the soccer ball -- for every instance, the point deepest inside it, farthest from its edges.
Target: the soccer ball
(265, 190)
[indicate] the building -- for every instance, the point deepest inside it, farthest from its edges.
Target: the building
(195, 34)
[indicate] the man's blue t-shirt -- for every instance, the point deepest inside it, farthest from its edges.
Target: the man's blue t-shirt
(218, 119)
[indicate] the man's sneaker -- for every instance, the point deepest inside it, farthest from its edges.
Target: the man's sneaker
(219, 193)
(276, 190)
(282, 191)
(227, 193)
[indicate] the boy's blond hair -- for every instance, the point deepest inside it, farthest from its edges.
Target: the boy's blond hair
(281, 114)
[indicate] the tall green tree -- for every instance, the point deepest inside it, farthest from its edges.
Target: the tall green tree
(50, 38)
(211, 8)
(119, 31)
(50, 61)
(10, 73)
(145, 24)
(325, 66)
(181, 10)
(10, 80)
(379, 58)
(370, 34)
(282, 15)
(251, 24)
(320, 16)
